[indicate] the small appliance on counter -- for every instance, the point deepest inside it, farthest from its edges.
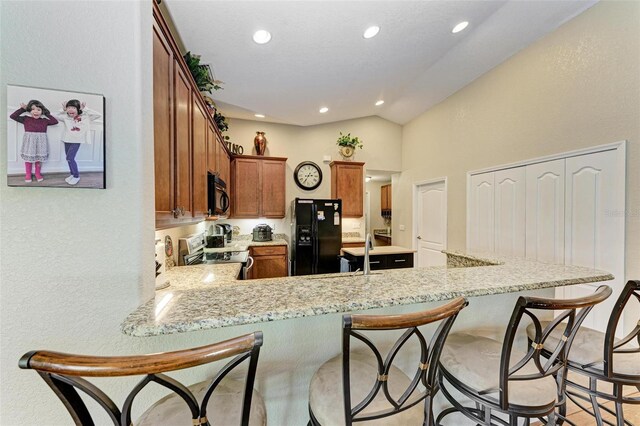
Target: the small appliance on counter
(262, 232)
(226, 230)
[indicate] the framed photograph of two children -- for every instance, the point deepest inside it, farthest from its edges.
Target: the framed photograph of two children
(55, 138)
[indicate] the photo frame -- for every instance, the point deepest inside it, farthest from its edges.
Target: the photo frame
(63, 149)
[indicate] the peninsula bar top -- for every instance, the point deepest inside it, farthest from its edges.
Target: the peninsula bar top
(208, 296)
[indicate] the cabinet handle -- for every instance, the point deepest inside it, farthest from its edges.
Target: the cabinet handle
(400, 260)
(374, 262)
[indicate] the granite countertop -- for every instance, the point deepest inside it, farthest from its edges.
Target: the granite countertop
(228, 303)
(377, 251)
(201, 276)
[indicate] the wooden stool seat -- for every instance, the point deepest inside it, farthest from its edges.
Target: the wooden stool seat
(475, 361)
(225, 407)
(327, 405)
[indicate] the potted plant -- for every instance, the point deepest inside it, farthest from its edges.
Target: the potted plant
(348, 145)
(203, 76)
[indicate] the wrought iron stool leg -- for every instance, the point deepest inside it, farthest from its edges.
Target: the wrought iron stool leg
(619, 414)
(594, 400)
(551, 420)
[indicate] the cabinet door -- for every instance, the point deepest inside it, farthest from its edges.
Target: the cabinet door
(273, 188)
(347, 185)
(545, 212)
(510, 189)
(481, 213)
(246, 188)
(594, 227)
(199, 160)
(384, 198)
(162, 126)
(212, 142)
(269, 267)
(183, 145)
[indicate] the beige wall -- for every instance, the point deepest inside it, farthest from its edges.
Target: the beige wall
(577, 87)
(382, 144)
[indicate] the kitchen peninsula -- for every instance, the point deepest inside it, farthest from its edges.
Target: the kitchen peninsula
(301, 316)
(204, 297)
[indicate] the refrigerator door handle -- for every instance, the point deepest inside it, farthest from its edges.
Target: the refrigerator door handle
(314, 237)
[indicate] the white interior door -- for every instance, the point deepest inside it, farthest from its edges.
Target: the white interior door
(481, 213)
(431, 224)
(594, 226)
(545, 212)
(510, 189)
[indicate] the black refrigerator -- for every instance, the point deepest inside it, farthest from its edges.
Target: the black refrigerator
(316, 236)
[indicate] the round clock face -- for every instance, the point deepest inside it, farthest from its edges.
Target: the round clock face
(307, 175)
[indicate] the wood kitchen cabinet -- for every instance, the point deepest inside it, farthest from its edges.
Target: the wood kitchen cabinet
(258, 187)
(187, 142)
(268, 262)
(385, 200)
(347, 184)
(199, 161)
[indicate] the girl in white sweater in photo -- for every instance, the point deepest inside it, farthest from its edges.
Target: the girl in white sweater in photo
(77, 131)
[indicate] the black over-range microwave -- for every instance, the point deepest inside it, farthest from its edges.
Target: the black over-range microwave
(217, 195)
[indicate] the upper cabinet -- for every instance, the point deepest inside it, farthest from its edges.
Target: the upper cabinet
(385, 200)
(187, 142)
(347, 184)
(258, 187)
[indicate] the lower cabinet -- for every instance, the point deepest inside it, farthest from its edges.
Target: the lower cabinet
(381, 261)
(268, 262)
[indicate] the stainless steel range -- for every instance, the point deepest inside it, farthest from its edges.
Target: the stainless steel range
(192, 251)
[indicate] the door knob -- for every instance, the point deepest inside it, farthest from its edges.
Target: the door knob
(419, 237)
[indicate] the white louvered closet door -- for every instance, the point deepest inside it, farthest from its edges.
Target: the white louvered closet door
(481, 213)
(594, 225)
(510, 189)
(545, 212)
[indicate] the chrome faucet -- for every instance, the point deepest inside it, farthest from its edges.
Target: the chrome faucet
(368, 245)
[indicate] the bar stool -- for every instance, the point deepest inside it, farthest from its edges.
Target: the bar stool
(372, 381)
(600, 357)
(499, 379)
(232, 403)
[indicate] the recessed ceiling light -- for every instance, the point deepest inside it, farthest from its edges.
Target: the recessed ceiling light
(380, 102)
(461, 26)
(323, 110)
(259, 115)
(262, 36)
(371, 31)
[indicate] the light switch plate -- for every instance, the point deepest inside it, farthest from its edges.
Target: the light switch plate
(401, 227)
(356, 225)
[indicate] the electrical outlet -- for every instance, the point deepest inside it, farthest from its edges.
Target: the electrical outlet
(356, 225)
(401, 227)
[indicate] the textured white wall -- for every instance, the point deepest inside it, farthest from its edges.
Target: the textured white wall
(74, 263)
(577, 87)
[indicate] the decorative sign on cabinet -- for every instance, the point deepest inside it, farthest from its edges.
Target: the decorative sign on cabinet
(347, 184)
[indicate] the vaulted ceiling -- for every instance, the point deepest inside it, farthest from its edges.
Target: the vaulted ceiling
(318, 56)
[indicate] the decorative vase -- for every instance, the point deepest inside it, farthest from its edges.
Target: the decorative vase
(347, 153)
(260, 142)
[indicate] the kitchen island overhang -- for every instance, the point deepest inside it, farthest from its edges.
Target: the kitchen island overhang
(210, 303)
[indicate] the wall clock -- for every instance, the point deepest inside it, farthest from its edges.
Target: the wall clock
(307, 175)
